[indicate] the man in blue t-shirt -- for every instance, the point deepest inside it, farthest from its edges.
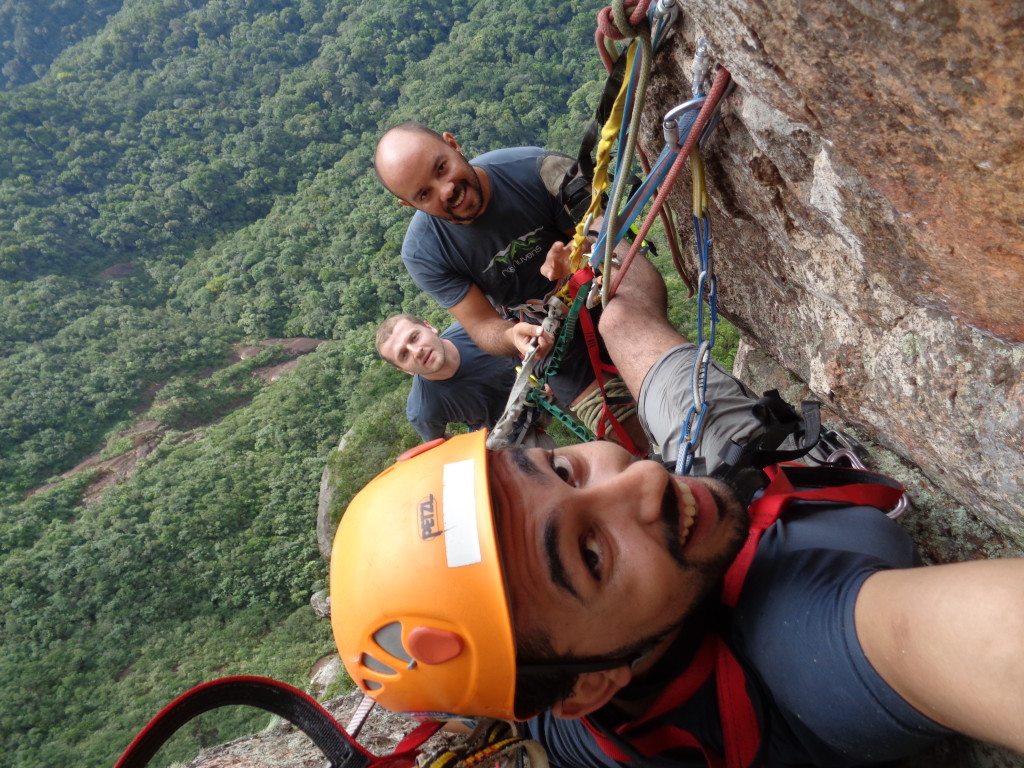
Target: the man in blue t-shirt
(453, 381)
(595, 580)
(480, 235)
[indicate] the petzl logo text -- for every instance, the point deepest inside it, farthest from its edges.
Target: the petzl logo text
(429, 527)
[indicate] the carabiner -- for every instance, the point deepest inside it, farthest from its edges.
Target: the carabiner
(678, 121)
(857, 462)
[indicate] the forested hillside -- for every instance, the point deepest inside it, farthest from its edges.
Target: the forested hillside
(178, 178)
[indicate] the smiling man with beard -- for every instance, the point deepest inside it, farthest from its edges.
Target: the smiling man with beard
(482, 229)
(634, 617)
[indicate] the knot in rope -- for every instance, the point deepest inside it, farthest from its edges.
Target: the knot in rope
(624, 19)
(631, 16)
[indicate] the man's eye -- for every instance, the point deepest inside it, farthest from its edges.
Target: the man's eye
(561, 467)
(590, 550)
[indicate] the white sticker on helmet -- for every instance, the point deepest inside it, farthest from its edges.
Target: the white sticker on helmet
(461, 536)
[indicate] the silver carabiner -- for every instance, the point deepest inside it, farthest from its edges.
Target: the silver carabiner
(662, 18)
(679, 119)
(857, 463)
(666, 7)
(845, 453)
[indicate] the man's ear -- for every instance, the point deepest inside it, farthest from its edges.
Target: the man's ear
(593, 690)
(402, 202)
(450, 141)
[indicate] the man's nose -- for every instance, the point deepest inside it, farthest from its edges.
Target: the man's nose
(634, 495)
(447, 188)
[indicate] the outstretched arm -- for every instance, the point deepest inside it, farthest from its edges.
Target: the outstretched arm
(635, 326)
(491, 332)
(950, 640)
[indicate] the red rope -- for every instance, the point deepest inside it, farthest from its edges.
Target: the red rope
(608, 28)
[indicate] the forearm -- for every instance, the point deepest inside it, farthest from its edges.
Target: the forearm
(640, 296)
(495, 336)
(635, 326)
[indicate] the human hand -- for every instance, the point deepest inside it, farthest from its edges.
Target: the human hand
(556, 264)
(523, 335)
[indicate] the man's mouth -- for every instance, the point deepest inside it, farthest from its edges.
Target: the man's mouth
(457, 198)
(678, 513)
(687, 506)
(695, 509)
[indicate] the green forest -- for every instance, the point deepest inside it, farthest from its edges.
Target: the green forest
(179, 180)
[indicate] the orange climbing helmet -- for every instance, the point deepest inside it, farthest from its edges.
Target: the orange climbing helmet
(420, 613)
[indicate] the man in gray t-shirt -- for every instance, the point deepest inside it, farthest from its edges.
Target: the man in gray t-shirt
(453, 380)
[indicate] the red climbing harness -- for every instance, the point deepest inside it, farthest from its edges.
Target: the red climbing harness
(579, 279)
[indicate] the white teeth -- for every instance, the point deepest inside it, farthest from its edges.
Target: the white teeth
(689, 509)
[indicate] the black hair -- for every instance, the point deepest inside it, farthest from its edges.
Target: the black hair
(540, 683)
(544, 678)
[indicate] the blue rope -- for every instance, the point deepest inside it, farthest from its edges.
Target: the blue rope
(647, 189)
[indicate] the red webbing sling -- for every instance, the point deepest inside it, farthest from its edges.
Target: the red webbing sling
(283, 700)
(741, 732)
(578, 279)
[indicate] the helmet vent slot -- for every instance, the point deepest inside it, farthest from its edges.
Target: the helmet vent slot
(372, 685)
(376, 665)
(389, 637)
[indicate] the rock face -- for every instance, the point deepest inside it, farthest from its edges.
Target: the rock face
(868, 212)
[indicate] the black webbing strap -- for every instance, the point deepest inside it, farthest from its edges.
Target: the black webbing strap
(278, 698)
(832, 475)
(780, 421)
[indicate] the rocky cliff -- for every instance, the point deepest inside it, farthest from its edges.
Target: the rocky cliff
(868, 211)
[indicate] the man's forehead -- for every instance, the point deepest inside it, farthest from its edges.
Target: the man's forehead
(397, 338)
(405, 328)
(497, 484)
(405, 146)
